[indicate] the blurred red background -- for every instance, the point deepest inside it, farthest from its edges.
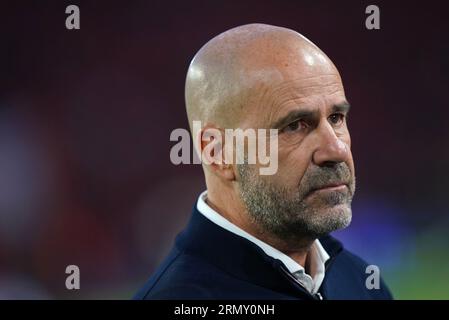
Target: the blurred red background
(86, 115)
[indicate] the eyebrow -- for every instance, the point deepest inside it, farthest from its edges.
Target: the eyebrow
(308, 114)
(341, 107)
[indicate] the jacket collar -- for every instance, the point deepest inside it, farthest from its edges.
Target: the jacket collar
(240, 257)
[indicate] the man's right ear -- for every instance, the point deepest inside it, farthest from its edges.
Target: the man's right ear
(212, 152)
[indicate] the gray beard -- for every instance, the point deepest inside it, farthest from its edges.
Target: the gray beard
(287, 214)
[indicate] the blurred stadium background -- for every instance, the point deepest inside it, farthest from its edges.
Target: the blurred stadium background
(85, 119)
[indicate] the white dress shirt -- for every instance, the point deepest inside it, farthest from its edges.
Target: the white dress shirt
(317, 256)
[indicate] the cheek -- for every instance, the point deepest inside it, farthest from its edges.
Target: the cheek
(351, 163)
(347, 141)
(292, 165)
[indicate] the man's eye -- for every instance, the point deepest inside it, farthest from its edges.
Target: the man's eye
(337, 118)
(294, 126)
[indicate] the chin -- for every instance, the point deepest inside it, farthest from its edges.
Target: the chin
(333, 218)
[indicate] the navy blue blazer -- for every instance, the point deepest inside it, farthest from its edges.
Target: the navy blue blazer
(209, 262)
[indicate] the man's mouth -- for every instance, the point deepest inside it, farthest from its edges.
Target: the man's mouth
(330, 187)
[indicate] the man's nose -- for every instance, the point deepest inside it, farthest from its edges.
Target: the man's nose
(330, 149)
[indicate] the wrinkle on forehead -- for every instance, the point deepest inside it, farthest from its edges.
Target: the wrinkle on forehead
(303, 84)
(305, 93)
(301, 89)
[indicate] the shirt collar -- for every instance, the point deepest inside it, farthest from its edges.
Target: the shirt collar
(317, 254)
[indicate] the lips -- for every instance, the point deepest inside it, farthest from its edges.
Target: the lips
(330, 187)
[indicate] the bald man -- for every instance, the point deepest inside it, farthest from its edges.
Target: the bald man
(254, 236)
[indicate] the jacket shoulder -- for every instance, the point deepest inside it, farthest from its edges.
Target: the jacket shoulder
(351, 277)
(183, 276)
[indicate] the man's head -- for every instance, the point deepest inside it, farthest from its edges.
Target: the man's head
(265, 77)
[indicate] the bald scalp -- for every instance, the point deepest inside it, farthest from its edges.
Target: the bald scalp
(240, 64)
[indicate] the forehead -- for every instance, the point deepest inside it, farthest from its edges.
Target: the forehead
(312, 93)
(308, 87)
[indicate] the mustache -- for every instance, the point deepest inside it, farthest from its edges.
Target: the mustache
(320, 177)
